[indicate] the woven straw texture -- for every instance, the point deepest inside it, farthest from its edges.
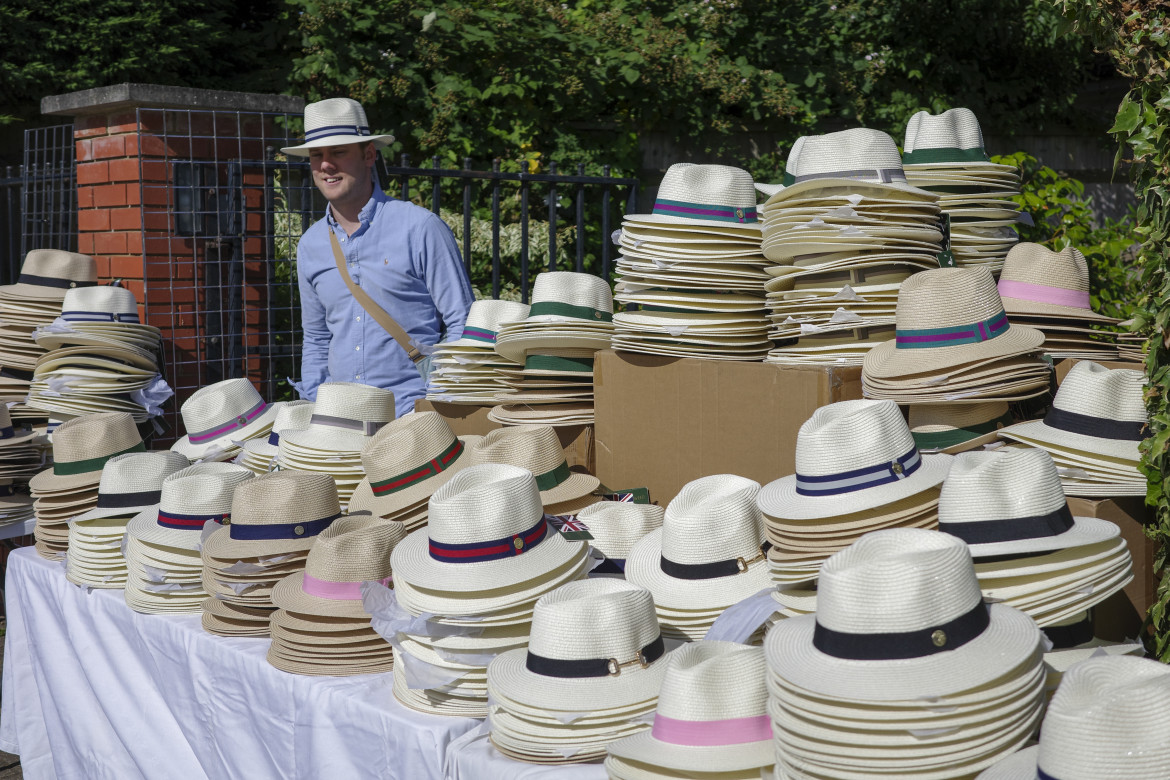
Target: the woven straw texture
(94, 436)
(284, 497)
(219, 403)
(954, 129)
(536, 448)
(56, 264)
(1097, 391)
(713, 518)
(354, 549)
(140, 472)
(576, 289)
(617, 525)
(355, 401)
(935, 418)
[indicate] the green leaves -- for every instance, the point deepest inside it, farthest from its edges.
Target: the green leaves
(1129, 116)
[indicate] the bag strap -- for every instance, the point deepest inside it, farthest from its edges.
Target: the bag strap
(374, 310)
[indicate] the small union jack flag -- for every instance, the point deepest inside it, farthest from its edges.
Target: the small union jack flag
(569, 527)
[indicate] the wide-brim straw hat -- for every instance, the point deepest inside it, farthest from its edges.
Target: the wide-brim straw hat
(616, 526)
(47, 274)
(82, 446)
(345, 416)
(291, 416)
(950, 139)
(955, 428)
(852, 456)
(189, 499)
(900, 617)
(483, 323)
(10, 435)
(131, 483)
(281, 512)
(111, 313)
(1036, 280)
(703, 195)
(336, 122)
(538, 449)
(218, 415)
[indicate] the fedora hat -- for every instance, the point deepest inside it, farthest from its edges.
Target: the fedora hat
(1037, 281)
(335, 122)
(955, 428)
(10, 435)
(131, 483)
(568, 310)
(950, 139)
(703, 195)
(217, 416)
(290, 416)
(98, 316)
(483, 324)
(82, 446)
(616, 526)
(189, 499)
(282, 512)
(345, 416)
(852, 456)
(46, 274)
(538, 449)
(712, 713)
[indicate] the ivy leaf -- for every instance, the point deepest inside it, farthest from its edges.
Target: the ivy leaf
(1129, 116)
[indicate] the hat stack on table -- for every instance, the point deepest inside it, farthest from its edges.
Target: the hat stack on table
(406, 462)
(954, 343)
(711, 722)
(538, 449)
(218, 418)
(944, 154)
(1092, 431)
(709, 554)
(590, 674)
(275, 519)
(258, 455)
(616, 526)
(81, 447)
(474, 574)
(904, 671)
(1131, 346)
(23, 453)
(163, 563)
(695, 269)
(320, 626)
(841, 235)
(570, 319)
(129, 484)
(467, 370)
(955, 428)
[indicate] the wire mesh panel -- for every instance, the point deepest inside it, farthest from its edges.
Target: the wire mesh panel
(49, 193)
(11, 223)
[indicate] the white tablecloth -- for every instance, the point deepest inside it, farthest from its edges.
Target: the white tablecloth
(472, 757)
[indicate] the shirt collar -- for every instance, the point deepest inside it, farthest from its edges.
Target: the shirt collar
(367, 212)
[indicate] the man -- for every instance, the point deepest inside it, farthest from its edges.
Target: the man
(401, 255)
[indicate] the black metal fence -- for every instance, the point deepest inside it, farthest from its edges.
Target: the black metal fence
(38, 200)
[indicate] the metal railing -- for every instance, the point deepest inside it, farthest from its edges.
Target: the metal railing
(49, 189)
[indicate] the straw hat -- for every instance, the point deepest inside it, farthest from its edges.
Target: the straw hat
(82, 446)
(188, 500)
(98, 316)
(955, 428)
(131, 483)
(1110, 718)
(47, 273)
(290, 416)
(336, 122)
(595, 645)
(569, 310)
(10, 435)
(617, 525)
(952, 138)
(707, 195)
(852, 456)
(1036, 280)
(900, 616)
(344, 418)
(276, 513)
(712, 712)
(538, 449)
(483, 323)
(220, 414)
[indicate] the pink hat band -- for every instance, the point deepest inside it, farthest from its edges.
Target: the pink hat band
(1042, 293)
(338, 591)
(711, 733)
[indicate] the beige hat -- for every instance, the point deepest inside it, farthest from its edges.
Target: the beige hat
(47, 273)
(188, 500)
(336, 122)
(220, 414)
(82, 446)
(955, 428)
(538, 449)
(275, 513)
(1035, 280)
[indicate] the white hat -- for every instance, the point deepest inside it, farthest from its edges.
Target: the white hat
(189, 498)
(569, 310)
(483, 323)
(291, 416)
(704, 195)
(98, 316)
(616, 526)
(130, 483)
(276, 513)
(345, 416)
(952, 138)
(335, 122)
(220, 414)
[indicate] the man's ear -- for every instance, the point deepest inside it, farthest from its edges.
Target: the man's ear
(371, 154)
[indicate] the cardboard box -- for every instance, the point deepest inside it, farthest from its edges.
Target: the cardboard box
(469, 420)
(662, 422)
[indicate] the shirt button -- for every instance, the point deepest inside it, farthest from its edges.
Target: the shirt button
(357, 319)
(357, 348)
(343, 238)
(357, 376)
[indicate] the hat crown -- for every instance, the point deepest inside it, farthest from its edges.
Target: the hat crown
(533, 447)
(850, 435)
(947, 297)
(1000, 485)
(1110, 718)
(354, 401)
(573, 288)
(859, 151)
(140, 472)
(710, 680)
(487, 314)
(284, 497)
(336, 112)
(292, 416)
(5, 417)
(94, 436)
(219, 403)
(957, 128)
(354, 549)
(59, 264)
(895, 581)
(202, 489)
(718, 185)
(931, 418)
(1036, 264)
(100, 298)
(713, 518)
(406, 443)
(1094, 390)
(593, 619)
(617, 525)
(484, 502)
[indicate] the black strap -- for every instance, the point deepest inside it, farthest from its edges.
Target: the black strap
(909, 644)
(610, 566)
(1012, 529)
(1064, 637)
(1100, 427)
(591, 667)
(52, 281)
(709, 571)
(12, 373)
(121, 500)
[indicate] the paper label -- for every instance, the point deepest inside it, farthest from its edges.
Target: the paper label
(739, 621)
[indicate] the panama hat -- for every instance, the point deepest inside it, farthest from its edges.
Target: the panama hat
(131, 483)
(335, 122)
(707, 195)
(1036, 280)
(275, 513)
(952, 138)
(98, 316)
(10, 435)
(1110, 717)
(955, 428)
(483, 324)
(616, 526)
(711, 715)
(218, 415)
(47, 273)
(569, 310)
(290, 416)
(345, 416)
(537, 449)
(188, 500)
(82, 446)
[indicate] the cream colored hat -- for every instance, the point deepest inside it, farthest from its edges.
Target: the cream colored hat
(47, 273)
(188, 500)
(131, 483)
(276, 513)
(82, 446)
(955, 428)
(336, 122)
(98, 316)
(290, 416)
(569, 310)
(538, 449)
(952, 138)
(1035, 280)
(706, 195)
(345, 416)
(616, 526)
(483, 323)
(220, 414)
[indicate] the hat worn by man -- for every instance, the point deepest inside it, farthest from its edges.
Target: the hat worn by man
(336, 122)
(538, 449)
(218, 415)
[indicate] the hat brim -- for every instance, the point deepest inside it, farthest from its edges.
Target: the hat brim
(1018, 766)
(886, 361)
(828, 186)
(645, 749)
(1036, 431)
(48, 482)
(643, 567)
(107, 512)
(1085, 530)
(1023, 306)
(260, 425)
(516, 348)
(145, 528)
(302, 150)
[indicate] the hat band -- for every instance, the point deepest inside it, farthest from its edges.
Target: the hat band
(1043, 293)
(901, 645)
(554, 363)
(711, 733)
(365, 427)
(1097, 427)
(712, 570)
(7, 432)
(338, 591)
(493, 549)
(8, 490)
(713, 212)
(944, 154)
(52, 281)
(479, 334)
(436, 465)
(257, 532)
(274, 439)
(558, 309)
(984, 330)
(180, 522)
(123, 500)
(550, 479)
(241, 421)
(98, 316)
(318, 133)
(939, 440)
(875, 175)
(12, 373)
(859, 479)
(1042, 775)
(69, 468)
(1064, 637)
(1012, 529)
(610, 566)
(577, 668)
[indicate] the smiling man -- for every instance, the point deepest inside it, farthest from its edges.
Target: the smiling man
(401, 255)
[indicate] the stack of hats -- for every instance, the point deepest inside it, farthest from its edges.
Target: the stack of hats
(275, 519)
(81, 447)
(1109, 719)
(219, 417)
(695, 268)
(538, 449)
(590, 674)
(476, 572)
(954, 343)
(1131, 346)
(615, 527)
(842, 233)
(100, 358)
(22, 455)
(259, 455)
(129, 484)
(1092, 431)
(320, 626)
(944, 154)
(711, 723)
(406, 462)
(709, 554)
(857, 470)
(163, 564)
(570, 319)
(955, 428)
(903, 671)
(466, 370)
(1050, 292)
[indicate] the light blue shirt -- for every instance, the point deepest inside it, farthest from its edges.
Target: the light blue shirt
(406, 258)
